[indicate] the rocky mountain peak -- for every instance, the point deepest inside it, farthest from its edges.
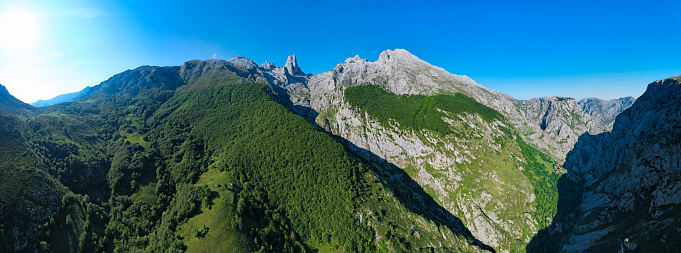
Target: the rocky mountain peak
(292, 67)
(242, 61)
(398, 55)
(661, 87)
(355, 59)
(267, 65)
(605, 110)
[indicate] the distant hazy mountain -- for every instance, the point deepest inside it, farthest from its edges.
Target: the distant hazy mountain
(61, 98)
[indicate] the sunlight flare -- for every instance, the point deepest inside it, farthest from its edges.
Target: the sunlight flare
(18, 31)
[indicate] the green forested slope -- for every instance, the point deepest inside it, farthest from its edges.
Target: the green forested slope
(415, 111)
(286, 167)
(28, 195)
(139, 170)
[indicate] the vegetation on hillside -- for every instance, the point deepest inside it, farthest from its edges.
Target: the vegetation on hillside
(281, 161)
(415, 111)
(131, 166)
(539, 170)
(449, 117)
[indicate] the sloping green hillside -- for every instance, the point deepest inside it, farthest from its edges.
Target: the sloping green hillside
(141, 170)
(28, 195)
(415, 111)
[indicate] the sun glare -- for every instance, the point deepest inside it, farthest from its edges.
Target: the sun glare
(18, 31)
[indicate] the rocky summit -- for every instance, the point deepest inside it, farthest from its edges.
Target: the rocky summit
(395, 155)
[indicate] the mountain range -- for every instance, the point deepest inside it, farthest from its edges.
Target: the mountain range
(61, 98)
(392, 155)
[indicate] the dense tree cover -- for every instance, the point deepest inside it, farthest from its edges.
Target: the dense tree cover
(550, 238)
(538, 169)
(130, 162)
(299, 168)
(27, 193)
(415, 111)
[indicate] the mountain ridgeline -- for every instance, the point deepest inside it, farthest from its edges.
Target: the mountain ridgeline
(185, 158)
(395, 155)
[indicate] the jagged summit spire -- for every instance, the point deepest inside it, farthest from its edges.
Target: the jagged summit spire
(292, 67)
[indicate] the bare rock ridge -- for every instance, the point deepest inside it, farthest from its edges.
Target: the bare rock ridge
(267, 66)
(242, 61)
(632, 177)
(404, 73)
(605, 110)
(554, 123)
(292, 67)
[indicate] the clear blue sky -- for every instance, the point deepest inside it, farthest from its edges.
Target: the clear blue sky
(526, 49)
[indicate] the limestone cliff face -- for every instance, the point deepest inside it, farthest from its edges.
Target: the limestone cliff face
(473, 176)
(605, 110)
(632, 177)
(555, 123)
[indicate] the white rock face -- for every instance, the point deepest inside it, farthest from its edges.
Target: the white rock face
(605, 110)
(241, 61)
(633, 174)
(555, 123)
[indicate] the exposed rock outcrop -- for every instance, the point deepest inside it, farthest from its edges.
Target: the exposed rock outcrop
(605, 110)
(291, 66)
(403, 73)
(555, 123)
(632, 176)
